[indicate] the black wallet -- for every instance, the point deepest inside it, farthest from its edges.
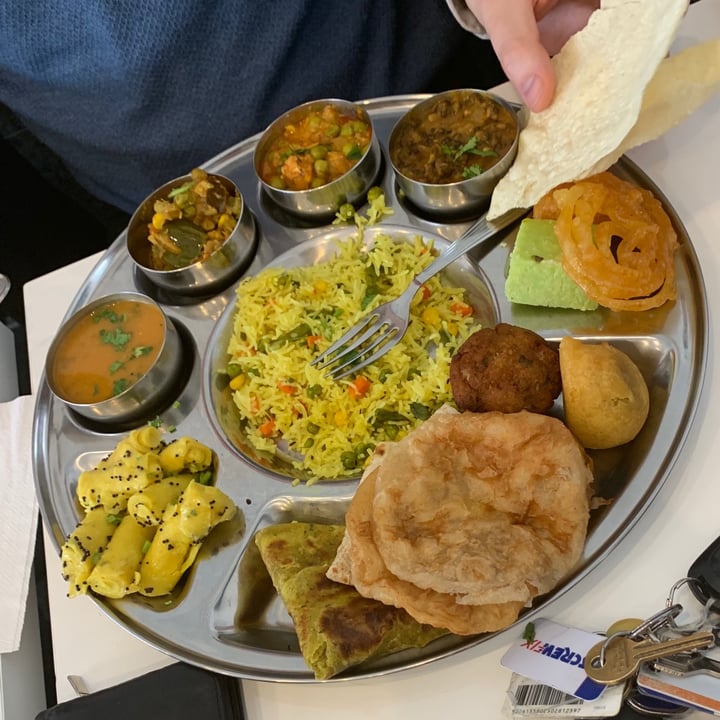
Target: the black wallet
(176, 692)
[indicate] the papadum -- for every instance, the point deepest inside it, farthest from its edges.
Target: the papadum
(681, 84)
(602, 73)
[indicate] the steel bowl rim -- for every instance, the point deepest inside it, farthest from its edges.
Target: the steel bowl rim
(80, 314)
(512, 150)
(269, 133)
(138, 217)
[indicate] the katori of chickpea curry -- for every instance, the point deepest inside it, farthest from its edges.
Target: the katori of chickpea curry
(316, 149)
(460, 136)
(107, 351)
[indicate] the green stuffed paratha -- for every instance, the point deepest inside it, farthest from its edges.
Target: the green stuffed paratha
(336, 627)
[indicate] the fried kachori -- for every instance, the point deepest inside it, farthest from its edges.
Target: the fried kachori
(605, 395)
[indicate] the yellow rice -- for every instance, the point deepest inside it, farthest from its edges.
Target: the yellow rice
(284, 401)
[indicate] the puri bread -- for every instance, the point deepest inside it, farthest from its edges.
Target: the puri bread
(359, 563)
(605, 396)
(490, 507)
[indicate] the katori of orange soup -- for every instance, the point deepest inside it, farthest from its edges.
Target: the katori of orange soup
(107, 351)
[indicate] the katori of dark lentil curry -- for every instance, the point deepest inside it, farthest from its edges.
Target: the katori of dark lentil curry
(458, 137)
(315, 149)
(107, 351)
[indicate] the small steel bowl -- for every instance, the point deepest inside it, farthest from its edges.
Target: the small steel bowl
(204, 276)
(318, 203)
(143, 397)
(465, 197)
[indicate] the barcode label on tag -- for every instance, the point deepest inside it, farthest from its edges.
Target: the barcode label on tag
(532, 695)
(528, 698)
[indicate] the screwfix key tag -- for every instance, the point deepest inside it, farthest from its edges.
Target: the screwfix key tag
(554, 657)
(704, 575)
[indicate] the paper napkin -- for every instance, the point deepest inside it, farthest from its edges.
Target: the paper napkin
(18, 517)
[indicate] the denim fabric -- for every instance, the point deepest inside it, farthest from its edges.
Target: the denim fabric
(131, 93)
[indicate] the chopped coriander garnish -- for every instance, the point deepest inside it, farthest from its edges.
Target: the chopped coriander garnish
(118, 338)
(472, 171)
(529, 632)
(120, 386)
(204, 477)
(115, 366)
(108, 314)
(176, 405)
(469, 148)
(145, 547)
(113, 519)
(420, 411)
(140, 350)
(181, 189)
(156, 422)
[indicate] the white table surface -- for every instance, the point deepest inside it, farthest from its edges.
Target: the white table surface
(633, 582)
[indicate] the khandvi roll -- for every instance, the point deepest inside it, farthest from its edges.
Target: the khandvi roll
(139, 442)
(184, 525)
(185, 455)
(112, 485)
(170, 554)
(117, 571)
(147, 505)
(202, 507)
(84, 546)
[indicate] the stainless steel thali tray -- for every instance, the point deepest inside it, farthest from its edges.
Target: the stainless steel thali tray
(224, 615)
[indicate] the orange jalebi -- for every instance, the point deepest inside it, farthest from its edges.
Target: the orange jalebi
(617, 242)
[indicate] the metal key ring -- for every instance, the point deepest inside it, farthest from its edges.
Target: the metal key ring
(683, 581)
(654, 622)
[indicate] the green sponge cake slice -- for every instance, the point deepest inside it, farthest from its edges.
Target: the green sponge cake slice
(535, 274)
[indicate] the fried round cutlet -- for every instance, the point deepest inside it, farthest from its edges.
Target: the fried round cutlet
(505, 368)
(490, 507)
(359, 563)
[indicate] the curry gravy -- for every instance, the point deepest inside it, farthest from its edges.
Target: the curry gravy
(107, 351)
(458, 137)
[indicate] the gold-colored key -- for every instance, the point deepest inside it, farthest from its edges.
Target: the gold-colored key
(615, 659)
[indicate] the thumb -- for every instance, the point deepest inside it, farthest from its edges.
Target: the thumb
(513, 31)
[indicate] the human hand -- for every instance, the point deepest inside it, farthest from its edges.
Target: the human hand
(525, 33)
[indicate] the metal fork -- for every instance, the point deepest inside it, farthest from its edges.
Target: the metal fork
(382, 328)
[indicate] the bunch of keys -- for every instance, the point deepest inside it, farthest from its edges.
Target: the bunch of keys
(619, 656)
(668, 663)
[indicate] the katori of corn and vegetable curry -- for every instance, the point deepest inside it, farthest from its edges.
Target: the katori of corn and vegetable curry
(192, 222)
